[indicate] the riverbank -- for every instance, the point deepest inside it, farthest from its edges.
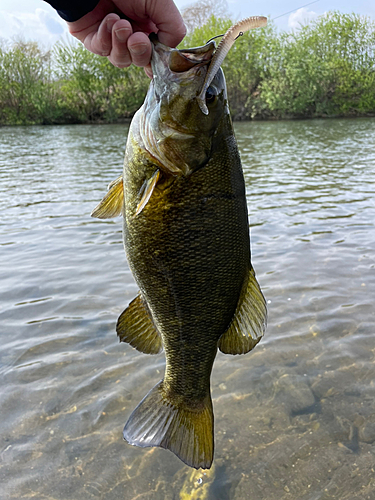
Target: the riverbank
(322, 70)
(126, 121)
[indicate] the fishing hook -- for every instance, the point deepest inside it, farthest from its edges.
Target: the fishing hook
(218, 36)
(213, 38)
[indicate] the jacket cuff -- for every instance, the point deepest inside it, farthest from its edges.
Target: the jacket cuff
(72, 10)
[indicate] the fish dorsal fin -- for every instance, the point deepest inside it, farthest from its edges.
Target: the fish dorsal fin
(147, 190)
(136, 327)
(112, 203)
(249, 322)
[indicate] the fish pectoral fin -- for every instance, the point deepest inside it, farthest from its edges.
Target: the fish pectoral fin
(249, 322)
(135, 326)
(159, 420)
(147, 190)
(112, 203)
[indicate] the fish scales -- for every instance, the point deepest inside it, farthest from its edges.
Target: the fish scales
(189, 252)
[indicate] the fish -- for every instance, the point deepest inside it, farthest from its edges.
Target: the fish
(186, 236)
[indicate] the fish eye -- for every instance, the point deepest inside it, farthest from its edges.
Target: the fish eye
(211, 94)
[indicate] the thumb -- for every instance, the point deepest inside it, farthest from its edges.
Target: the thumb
(168, 20)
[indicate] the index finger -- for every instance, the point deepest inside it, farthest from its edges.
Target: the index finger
(168, 20)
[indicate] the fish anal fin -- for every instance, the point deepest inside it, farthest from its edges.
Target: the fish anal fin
(249, 322)
(159, 421)
(112, 203)
(136, 327)
(147, 191)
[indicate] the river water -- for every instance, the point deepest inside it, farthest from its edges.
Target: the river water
(294, 419)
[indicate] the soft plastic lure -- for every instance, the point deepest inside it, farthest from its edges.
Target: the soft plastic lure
(222, 50)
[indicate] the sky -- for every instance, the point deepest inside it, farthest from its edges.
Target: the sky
(36, 20)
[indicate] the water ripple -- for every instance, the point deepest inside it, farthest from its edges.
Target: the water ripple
(286, 414)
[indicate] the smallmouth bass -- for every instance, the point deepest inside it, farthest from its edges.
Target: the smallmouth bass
(186, 236)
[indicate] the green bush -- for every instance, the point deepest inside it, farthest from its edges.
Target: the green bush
(24, 83)
(94, 88)
(326, 68)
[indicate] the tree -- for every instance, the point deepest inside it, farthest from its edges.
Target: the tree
(197, 14)
(24, 78)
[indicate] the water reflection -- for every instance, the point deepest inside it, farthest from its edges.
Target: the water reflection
(293, 419)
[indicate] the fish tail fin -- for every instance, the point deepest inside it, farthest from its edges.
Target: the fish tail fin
(186, 431)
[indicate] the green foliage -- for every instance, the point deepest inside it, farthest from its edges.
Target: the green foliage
(24, 82)
(67, 85)
(326, 68)
(95, 89)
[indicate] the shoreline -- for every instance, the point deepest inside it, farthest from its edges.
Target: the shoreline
(255, 119)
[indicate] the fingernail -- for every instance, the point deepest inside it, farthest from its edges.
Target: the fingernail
(122, 34)
(110, 24)
(139, 49)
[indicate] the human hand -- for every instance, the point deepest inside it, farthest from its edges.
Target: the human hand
(125, 41)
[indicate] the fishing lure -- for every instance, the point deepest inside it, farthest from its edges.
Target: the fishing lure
(222, 50)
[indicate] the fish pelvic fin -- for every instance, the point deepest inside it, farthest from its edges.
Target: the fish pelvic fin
(249, 322)
(112, 203)
(159, 420)
(135, 326)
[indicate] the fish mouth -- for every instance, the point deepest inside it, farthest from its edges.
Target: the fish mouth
(182, 61)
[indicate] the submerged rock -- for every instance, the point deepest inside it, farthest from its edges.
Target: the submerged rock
(367, 433)
(294, 392)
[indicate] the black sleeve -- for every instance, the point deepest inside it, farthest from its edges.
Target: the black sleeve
(72, 10)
